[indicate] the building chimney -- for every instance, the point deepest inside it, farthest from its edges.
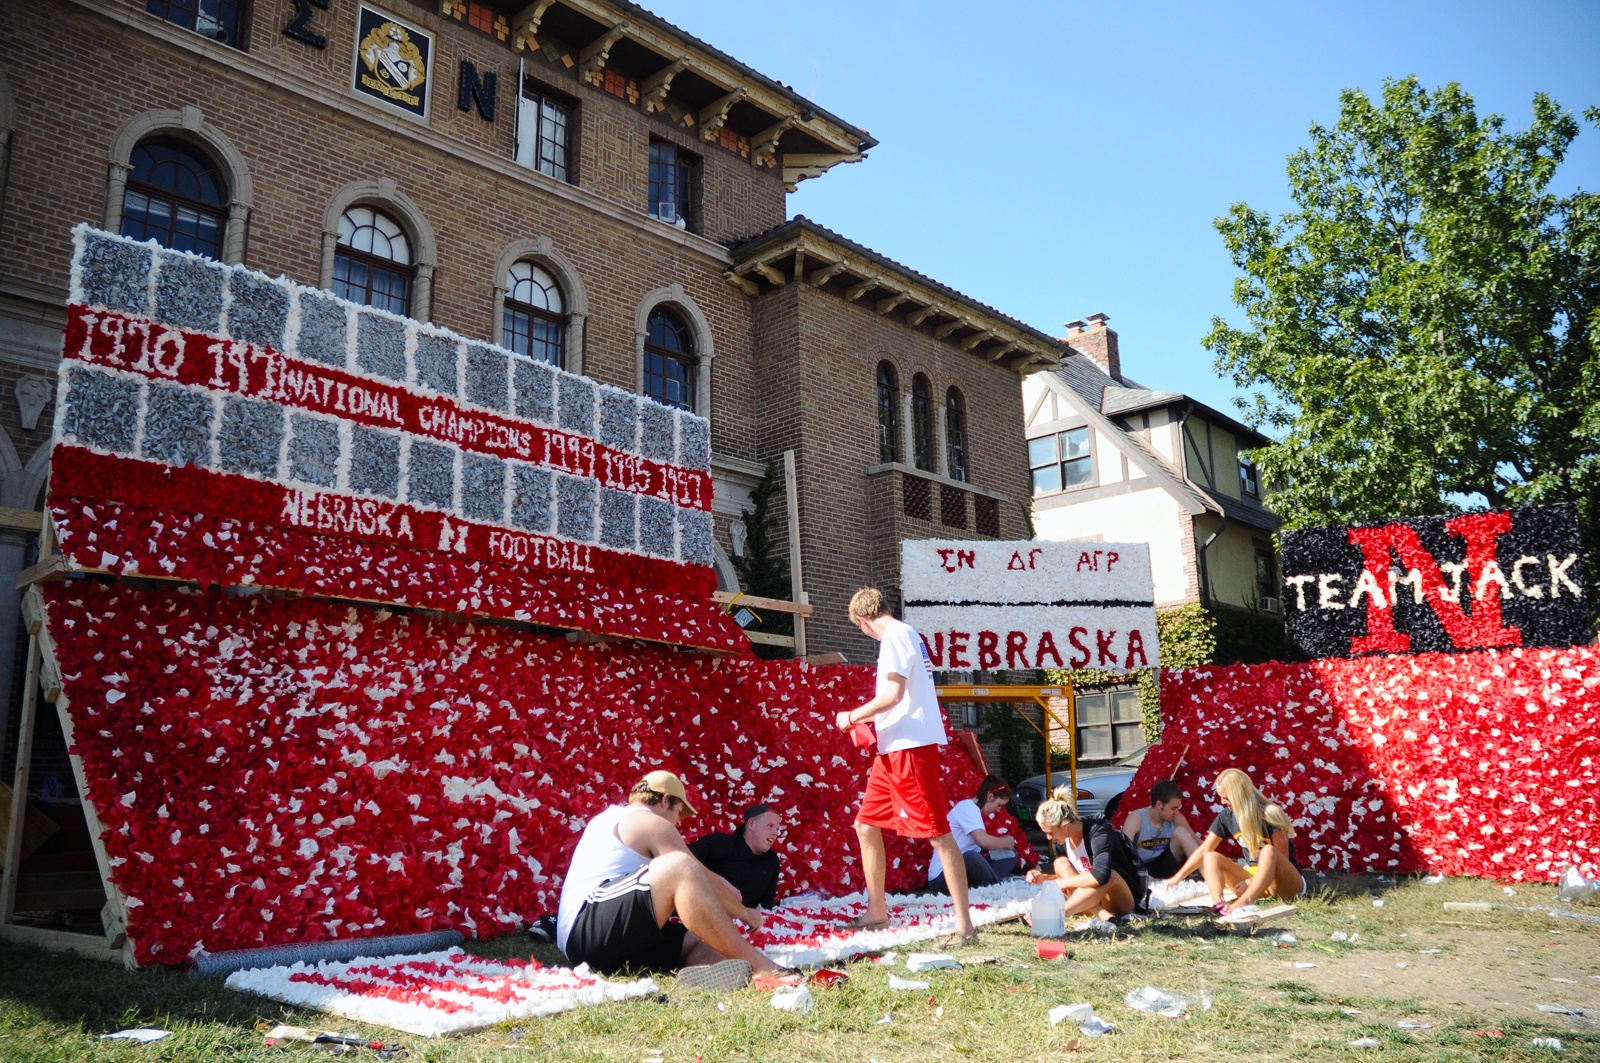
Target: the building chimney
(1096, 340)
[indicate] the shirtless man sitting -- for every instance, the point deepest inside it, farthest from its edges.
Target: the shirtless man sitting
(630, 873)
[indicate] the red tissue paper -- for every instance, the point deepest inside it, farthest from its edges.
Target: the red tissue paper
(269, 772)
(1462, 764)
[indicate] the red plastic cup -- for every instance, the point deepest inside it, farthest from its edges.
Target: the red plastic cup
(1052, 950)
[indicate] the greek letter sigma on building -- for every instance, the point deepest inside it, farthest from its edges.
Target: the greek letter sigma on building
(1032, 604)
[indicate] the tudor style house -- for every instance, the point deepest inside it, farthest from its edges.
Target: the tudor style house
(576, 180)
(1114, 461)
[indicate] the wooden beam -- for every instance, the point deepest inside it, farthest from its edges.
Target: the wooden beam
(743, 283)
(51, 569)
(856, 291)
(95, 948)
(976, 338)
(886, 305)
(17, 820)
(944, 330)
(777, 605)
(764, 145)
(525, 25)
(713, 116)
(1000, 351)
(653, 93)
(773, 275)
(817, 660)
(592, 60)
(917, 317)
(761, 638)
(23, 519)
(797, 593)
(822, 276)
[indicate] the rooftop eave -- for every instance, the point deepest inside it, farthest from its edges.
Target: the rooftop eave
(686, 52)
(811, 258)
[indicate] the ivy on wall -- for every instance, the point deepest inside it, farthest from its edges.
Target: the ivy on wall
(1191, 635)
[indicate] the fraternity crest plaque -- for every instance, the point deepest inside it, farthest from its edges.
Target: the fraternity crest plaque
(393, 61)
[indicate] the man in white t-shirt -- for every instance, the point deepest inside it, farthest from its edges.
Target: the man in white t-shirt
(903, 789)
(988, 857)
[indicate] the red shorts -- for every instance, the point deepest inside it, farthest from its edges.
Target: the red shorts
(904, 794)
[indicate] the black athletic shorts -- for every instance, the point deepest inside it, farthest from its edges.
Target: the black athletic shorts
(1162, 867)
(616, 930)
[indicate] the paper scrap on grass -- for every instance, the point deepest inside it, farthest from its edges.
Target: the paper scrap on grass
(803, 931)
(437, 993)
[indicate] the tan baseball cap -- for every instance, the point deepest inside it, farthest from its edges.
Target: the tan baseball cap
(664, 782)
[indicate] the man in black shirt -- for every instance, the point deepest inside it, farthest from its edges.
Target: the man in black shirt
(746, 859)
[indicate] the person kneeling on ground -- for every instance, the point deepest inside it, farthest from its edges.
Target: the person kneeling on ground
(630, 874)
(1160, 836)
(1097, 871)
(988, 857)
(746, 859)
(1263, 831)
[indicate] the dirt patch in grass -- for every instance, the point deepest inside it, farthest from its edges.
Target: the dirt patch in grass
(1490, 972)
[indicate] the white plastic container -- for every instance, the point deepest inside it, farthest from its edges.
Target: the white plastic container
(1049, 911)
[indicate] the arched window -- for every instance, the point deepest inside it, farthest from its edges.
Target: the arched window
(955, 434)
(175, 197)
(372, 262)
(922, 423)
(669, 361)
(534, 322)
(888, 413)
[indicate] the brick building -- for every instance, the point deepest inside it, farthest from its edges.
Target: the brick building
(577, 180)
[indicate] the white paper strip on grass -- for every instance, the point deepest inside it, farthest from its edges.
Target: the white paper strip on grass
(805, 925)
(527, 993)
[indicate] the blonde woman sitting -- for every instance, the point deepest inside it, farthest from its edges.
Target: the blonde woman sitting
(1263, 831)
(1097, 870)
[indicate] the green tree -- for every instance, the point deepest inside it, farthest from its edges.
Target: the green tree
(1424, 326)
(764, 574)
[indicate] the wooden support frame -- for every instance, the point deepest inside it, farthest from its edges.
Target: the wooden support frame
(1040, 696)
(43, 669)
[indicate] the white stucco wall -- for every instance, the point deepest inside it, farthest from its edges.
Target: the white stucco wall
(1150, 516)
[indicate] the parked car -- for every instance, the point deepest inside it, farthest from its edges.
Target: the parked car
(1100, 788)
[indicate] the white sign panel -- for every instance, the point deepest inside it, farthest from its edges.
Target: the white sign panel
(1038, 604)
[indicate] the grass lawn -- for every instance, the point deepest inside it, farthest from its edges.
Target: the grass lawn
(1488, 973)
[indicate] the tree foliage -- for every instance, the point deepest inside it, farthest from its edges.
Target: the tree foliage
(763, 572)
(1424, 326)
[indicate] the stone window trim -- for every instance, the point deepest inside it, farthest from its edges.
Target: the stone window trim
(674, 297)
(382, 194)
(541, 251)
(187, 123)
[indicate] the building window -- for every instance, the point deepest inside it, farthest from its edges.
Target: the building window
(1061, 461)
(888, 413)
(1266, 579)
(1110, 724)
(544, 133)
(534, 320)
(669, 361)
(1249, 482)
(372, 263)
(955, 435)
(174, 197)
(216, 19)
(672, 185)
(922, 423)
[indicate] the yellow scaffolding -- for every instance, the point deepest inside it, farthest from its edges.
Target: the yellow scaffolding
(1040, 696)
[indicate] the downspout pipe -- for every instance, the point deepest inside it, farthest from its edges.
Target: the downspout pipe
(1205, 568)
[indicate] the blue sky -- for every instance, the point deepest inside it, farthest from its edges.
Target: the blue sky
(1061, 159)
